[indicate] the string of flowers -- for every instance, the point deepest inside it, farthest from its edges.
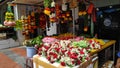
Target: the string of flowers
(67, 52)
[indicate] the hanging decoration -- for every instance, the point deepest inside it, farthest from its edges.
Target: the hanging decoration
(47, 7)
(47, 11)
(42, 20)
(58, 11)
(47, 3)
(92, 12)
(52, 15)
(64, 5)
(29, 25)
(9, 17)
(25, 25)
(82, 9)
(66, 16)
(83, 15)
(50, 10)
(18, 25)
(73, 3)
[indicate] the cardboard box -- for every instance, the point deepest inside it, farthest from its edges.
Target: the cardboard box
(40, 62)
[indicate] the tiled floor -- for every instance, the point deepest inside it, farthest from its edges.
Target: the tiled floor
(13, 57)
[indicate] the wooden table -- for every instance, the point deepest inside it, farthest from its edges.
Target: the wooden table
(107, 44)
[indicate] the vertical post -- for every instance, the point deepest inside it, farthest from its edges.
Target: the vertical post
(19, 32)
(114, 52)
(73, 15)
(92, 28)
(15, 12)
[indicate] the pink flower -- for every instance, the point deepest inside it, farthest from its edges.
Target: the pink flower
(48, 40)
(79, 38)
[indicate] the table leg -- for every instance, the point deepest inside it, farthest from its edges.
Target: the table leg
(114, 52)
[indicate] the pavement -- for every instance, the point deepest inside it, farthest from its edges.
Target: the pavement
(13, 57)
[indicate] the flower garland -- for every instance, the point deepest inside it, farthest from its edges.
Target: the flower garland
(66, 53)
(18, 25)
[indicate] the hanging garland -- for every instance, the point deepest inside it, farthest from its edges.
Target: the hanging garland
(18, 25)
(9, 17)
(73, 3)
(52, 15)
(83, 15)
(47, 3)
(58, 11)
(29, 25)
(47, 7)
(42, 21)
(82, 9)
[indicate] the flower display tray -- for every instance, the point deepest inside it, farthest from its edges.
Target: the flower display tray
(42, 62)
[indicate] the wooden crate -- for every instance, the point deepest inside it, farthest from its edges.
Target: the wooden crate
(38, 63)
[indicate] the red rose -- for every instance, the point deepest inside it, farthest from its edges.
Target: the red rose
(57, 49)
(55, 55)
(48, 58)
(90, 41)
(93, 45)
(51, 53)
(78, 62)
(81, 52)
(46, 47)
(73, 62)
(73, 56)
(63, 63)
(69, 53)
(63, 51)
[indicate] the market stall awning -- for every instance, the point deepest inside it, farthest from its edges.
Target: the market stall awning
(29, 2)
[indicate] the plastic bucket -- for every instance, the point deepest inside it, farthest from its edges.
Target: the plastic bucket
(31, 51)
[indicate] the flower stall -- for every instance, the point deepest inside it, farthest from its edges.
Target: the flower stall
(69, 53)
(65, 50)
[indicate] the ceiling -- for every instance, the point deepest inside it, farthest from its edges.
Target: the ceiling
(37, 2)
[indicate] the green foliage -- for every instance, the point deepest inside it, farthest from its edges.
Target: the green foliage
(47, 3)
(33, 42)
(37, 40)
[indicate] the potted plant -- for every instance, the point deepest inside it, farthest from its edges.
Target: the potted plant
(31, 45)
(30, 49)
